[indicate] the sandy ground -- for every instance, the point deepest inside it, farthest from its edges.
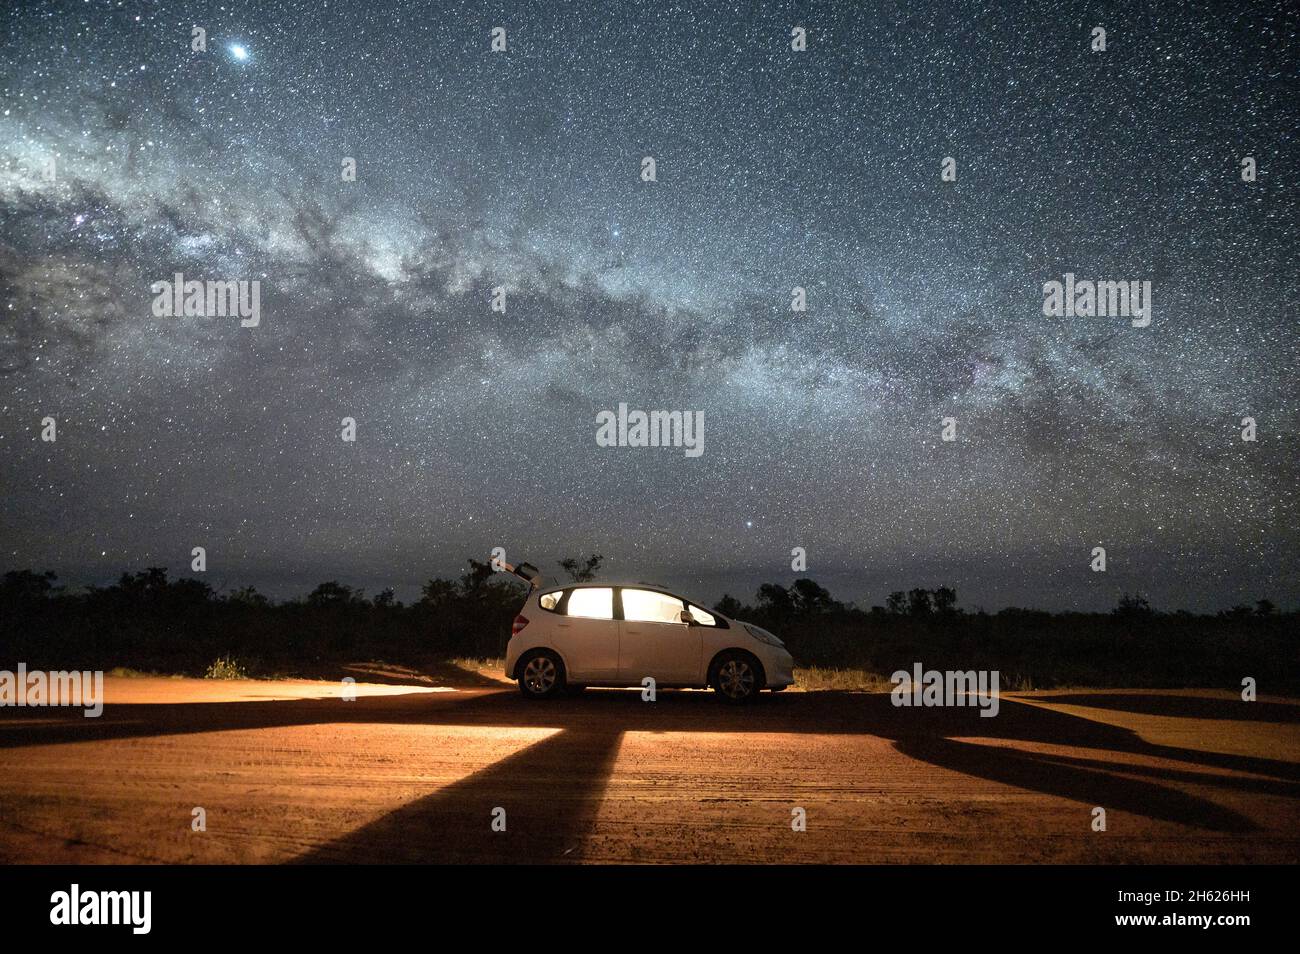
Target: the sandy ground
(290, 772)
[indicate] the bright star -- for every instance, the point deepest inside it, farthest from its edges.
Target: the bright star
(239, 51)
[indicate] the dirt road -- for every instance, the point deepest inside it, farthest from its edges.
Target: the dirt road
(290, 772)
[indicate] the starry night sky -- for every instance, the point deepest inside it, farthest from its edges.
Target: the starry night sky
(775, 169)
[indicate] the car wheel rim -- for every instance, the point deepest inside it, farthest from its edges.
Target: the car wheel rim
(539, 674)
(736, 678)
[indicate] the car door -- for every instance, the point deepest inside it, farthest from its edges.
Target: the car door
(653, 641)
(586, 634)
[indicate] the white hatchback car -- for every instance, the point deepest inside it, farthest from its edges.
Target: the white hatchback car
(616, 634)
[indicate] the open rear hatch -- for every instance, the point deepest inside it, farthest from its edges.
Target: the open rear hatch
(526, 572)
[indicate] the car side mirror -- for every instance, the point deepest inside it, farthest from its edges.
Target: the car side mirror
(687, 618)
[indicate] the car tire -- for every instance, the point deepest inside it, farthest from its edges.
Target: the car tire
(541, 675)
(737, 677)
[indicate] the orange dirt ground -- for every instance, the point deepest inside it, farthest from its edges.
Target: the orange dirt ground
(290, 772)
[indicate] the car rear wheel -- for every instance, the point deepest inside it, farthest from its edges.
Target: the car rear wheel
(541, 675)
(737, 677)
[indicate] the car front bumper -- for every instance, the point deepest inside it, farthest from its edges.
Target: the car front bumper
(778, 667)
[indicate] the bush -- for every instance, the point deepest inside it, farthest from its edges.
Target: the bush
(226, 667)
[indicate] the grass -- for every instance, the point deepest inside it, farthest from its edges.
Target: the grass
(233, 666)
(820, 679)
(489, 667)
(473, 664)
(227, 667)
(126, 672)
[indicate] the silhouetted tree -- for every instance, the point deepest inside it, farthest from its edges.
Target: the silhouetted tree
(248, 595)
(1239, 612)
(438, 593)
(945, 600)
(140, 587)
(331, 593)
(187, 593)
(918, 602)
(896, 603)
(1264, 608)
(729, 606)
(26, 586)
(477, 574)
(773, 598)
(582, 571)
(809, 597)
(1132, 606)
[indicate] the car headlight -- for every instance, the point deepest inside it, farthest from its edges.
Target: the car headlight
(763, 636)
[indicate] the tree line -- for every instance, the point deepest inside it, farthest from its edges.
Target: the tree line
(149, 621)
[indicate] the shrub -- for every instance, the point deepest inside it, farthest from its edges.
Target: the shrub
(226, 667)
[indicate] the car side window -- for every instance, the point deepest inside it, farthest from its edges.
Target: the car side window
(701, 617)
(592, 602)
(647, 606)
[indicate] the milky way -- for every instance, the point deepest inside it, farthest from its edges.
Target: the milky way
(775, 168)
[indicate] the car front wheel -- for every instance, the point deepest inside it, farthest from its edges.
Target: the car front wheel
(737, 677)
(541, 675)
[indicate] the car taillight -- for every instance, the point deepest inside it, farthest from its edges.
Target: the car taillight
(520, 623)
